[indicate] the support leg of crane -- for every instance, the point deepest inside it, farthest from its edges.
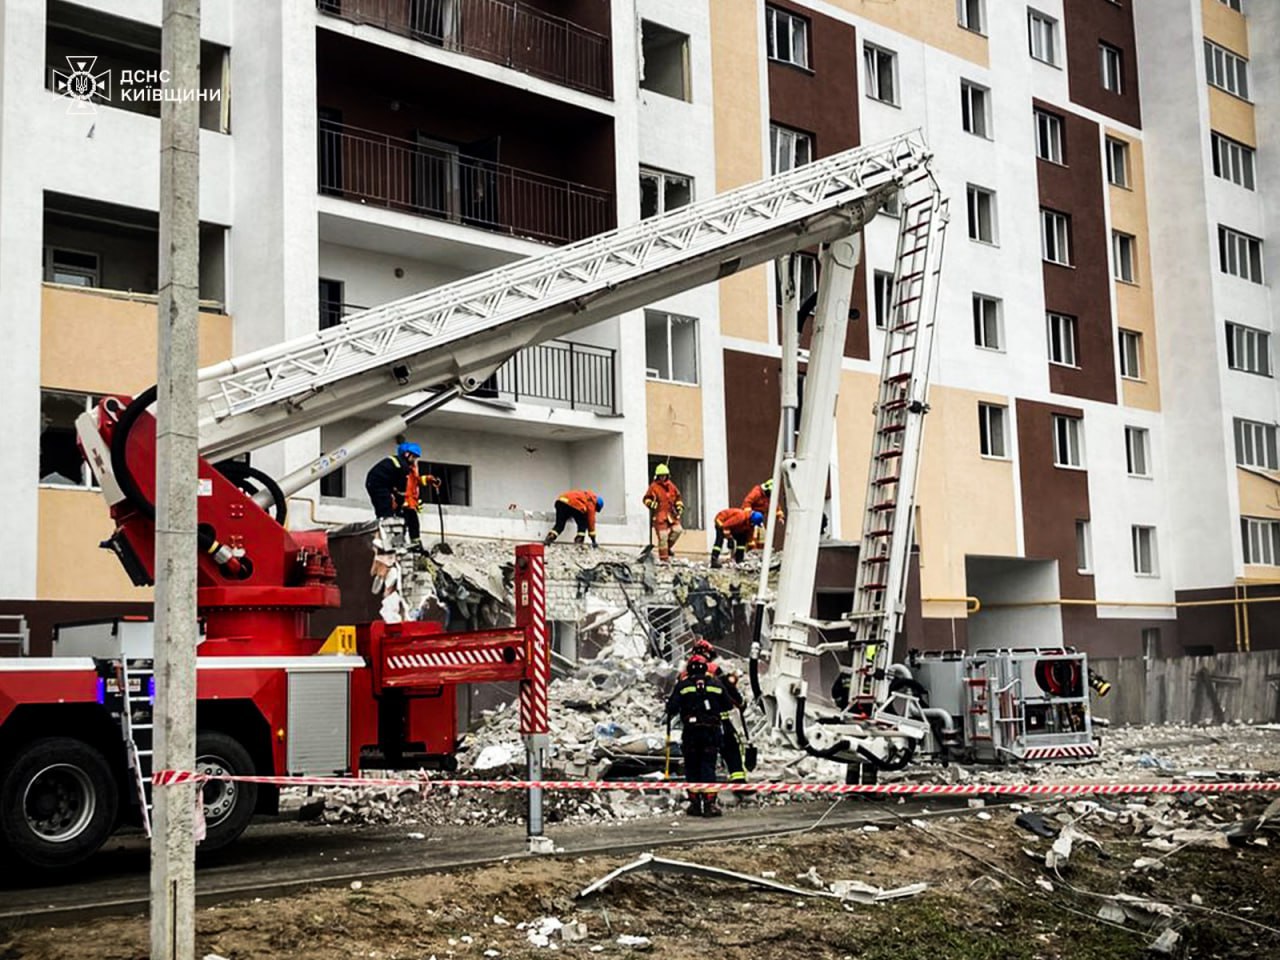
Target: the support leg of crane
(862, 773)
(536, 748)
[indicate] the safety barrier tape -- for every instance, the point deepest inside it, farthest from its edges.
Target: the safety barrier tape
(166, 778)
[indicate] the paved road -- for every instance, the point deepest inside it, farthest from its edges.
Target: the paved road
(280, 858)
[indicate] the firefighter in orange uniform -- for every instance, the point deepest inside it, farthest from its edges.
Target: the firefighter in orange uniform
(665, 510)
(759, 500)
(734, 528)
(580, 506)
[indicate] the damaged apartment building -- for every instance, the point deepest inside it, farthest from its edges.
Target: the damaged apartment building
(1101, 446)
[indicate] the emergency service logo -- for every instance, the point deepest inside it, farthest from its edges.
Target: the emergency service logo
(82, 85)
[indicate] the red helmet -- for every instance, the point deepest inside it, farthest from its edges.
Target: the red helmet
(703, 648)
(697, 666)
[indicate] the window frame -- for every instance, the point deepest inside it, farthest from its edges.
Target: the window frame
(1124, 257)
(52, 269)
(1084, 548)
(1231, 244)
(1037, 16)
(1231, 157)
(654, 373)
(1236, 5)
(1068, 442)
(1108, 54)
(1268, 532)
(442, 471)
(87, 479)
(881, 297)
(1226, 70)
(1137, 447)
(969, 10)
(1253, 437)
(969, 91)
(973, 191)
(1050, 132)
(1065, 219)
(872, 54)
(778, 133)
(1136, 535)
(772, 15)
(1249, 341)
(1067, 336)
(1124, 181)
(993, 426)
(985, 321)
(686, 66)
(1130, 349)
(661, 176)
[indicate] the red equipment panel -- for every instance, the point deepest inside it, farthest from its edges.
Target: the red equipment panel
(409, 655)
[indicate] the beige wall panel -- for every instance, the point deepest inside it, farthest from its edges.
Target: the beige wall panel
(98, 344)
(674, 419)
(70, 564)
(1225, 27)
(1231, 116)
(930, 21)
(1135, 306)
(1259, 497)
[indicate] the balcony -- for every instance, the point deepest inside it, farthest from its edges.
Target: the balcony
(558, 374)
(512, 34)
(434, 179)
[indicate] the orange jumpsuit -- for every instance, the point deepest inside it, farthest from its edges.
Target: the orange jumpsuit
(665, 508)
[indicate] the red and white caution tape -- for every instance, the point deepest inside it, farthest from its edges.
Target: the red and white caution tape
(165, 778)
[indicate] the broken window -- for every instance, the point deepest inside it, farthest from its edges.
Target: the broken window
(60, 462)
(664, 64)
(671, 347)
(686, 474)
(455, 483)
(662, 191)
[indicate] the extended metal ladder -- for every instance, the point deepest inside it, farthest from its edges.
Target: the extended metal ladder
(887, 528)
(132, 729)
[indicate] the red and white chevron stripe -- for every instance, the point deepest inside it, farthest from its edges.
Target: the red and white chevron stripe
(1081, 750)
(445, 658)
(533, 691)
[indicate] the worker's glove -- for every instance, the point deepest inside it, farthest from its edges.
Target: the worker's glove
(651, 504)
(679, 510)
(731, 679)
(433, 481)
(595, 545)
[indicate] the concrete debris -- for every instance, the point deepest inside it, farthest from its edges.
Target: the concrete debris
(1044, 884)
(1165, 944)
(634, 942)
(573, 932)
(539, 932)
(860, 892)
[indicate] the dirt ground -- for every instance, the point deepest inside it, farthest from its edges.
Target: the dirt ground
(982, 902)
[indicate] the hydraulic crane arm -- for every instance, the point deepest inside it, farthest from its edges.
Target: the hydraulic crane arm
(459, 333)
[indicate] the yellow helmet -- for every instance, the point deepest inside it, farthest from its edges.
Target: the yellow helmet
(661, 470)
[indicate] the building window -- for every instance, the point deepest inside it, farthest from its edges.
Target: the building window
(1055, 237)
(1130, 354)
(789, 148)
(1117, 163)
(1062, 339)
(60, 462)
(991, 435)
(661, 192)
(671, 347)
(335, 484)
(1226, 71)
(975, 109)
(1248, 349)
(1112, 67)
(455, 482)
(74, 267)
(664, 61)
(1122, 256)
(1049, 139)
(1137, 450)
(882, 283)
(1068, 441)
(1240, 254)
(1144, 551)
(1255, 444)
(881, 69)
(331, 298)
(686, 474)
(1233, 4)
(787, 37)
(971, 15)
(982, 214)
(1043, 30)
(1261, 540)
(1232, 161)
(986, 322)
(1084, 547)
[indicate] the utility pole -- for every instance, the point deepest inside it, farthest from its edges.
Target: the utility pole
(173, 878)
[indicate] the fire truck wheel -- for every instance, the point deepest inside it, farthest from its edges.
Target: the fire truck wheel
(58, 803)
(228, 806)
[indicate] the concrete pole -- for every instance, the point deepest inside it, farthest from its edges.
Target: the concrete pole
(177, 454)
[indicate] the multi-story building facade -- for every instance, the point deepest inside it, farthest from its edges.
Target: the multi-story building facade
(1103, 416)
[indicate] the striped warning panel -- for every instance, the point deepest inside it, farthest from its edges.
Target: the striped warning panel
(446, 658)
(1078, 751)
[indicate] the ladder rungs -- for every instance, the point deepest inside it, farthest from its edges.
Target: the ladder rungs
(906, 300)
(888, 454)
(877, 533)
(876, 560)
(885, 481)
(893, 428)
(911, 277)
(884, 507)
(899, 352)
(893, 404)
(913, 251)
(905, 328)
(899, 378)
(873, 586)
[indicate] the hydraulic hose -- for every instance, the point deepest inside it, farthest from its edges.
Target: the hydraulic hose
(753, 663)
(239, 473)
(828, 754)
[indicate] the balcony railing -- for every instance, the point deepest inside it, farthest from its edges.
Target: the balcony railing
(558, 373)
(500, 31)
(434, 181)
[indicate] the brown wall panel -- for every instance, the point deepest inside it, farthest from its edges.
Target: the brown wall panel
(1082, 290)
(43, 615)
(823, 101)
(1219, 626)
(1086, 24)
(752, 395)
(1053, 498)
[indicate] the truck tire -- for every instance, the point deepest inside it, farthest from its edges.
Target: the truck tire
(228, 806)
(58, 803)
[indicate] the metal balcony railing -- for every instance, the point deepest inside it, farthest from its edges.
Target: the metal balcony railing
(559, 373)
(500, 31)
(435, 181)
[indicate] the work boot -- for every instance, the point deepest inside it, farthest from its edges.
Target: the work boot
(715, 562)
(711, 807)
(549, 539)
(695, 807)
(579, 540)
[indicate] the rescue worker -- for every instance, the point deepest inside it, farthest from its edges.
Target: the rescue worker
(580, 506)
(665, 510)
(699, 700)
(731, 749)
(734, 526)
(388, 483)
(760, 499)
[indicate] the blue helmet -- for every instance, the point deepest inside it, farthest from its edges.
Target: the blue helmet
(409, 448)
(599, 503)
(757, 518)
